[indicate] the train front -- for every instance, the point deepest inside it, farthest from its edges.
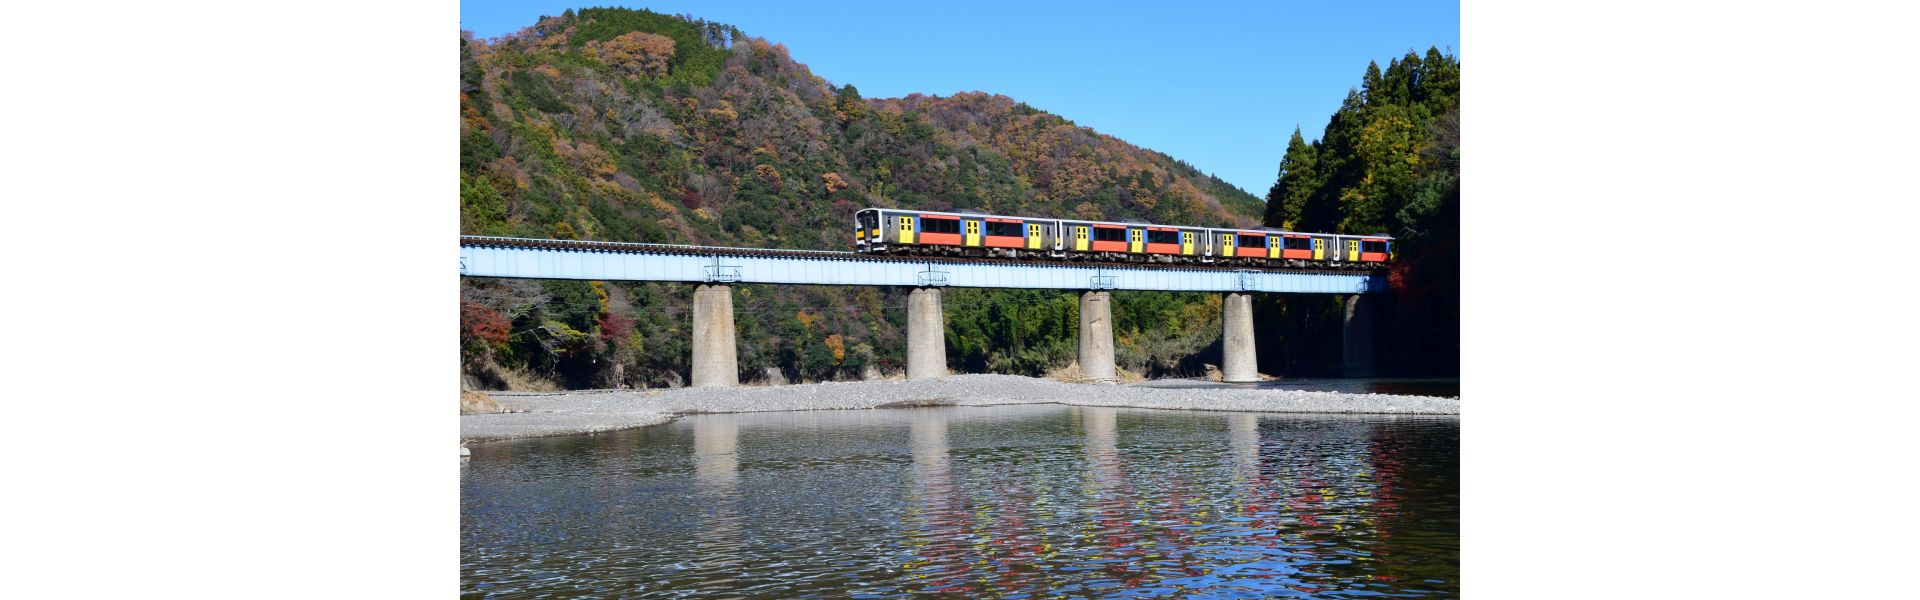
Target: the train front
(866, 230)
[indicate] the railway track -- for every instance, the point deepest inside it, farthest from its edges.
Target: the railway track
(689, 250)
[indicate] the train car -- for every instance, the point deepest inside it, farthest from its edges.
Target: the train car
(894, 231)
(1238, 246)
(1298, 249)
(1366, 250)
(1131, 241)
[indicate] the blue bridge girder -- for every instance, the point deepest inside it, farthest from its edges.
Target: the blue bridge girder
(614, 261)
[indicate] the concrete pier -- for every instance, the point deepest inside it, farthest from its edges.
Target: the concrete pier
(1238, 363)
(926, 335)
(1096, 336)
(715, 362)
(1356, 338)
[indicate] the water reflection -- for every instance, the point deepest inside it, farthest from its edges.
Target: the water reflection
(1244, 436)
(1012, 501)
(938, 552)
(716, 469)
(716, 454)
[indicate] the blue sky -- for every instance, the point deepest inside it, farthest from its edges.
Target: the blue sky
(1220, 85)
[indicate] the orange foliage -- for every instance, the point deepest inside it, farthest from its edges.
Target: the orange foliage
(833, 182)
(636, 55)
(470, 117)
(838, 346)
(586, 156)
(768, 174)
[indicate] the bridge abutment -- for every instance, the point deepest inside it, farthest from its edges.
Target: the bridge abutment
(1356, 338)
(715, 361)
(1238, 363)
(1096, 336)
(926, 334)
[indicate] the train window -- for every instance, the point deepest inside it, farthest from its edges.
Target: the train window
(1253, 241)
(939, 225)
(1163, 237)
(1373, 246)
(1109, 234)
(1298, 243)
(1007, 229)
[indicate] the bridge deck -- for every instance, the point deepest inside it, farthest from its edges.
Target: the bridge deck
(613, 261)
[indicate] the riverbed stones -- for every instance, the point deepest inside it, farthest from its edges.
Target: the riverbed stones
(604, 410)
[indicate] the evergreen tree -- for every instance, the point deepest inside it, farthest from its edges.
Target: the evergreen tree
(1297, 180)
(1371, 84)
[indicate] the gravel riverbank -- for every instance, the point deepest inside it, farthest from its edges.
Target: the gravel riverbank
(556, 413)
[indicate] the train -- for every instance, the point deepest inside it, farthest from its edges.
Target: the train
(977, 234)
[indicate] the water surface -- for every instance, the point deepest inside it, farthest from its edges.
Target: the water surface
(1405, 386)
(1015, 501)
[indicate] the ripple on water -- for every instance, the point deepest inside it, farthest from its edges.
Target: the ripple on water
(1017, 501)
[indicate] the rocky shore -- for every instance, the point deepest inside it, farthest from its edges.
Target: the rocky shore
(557, 413)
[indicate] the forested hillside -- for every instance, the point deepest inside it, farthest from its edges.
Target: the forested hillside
(625, 125)
(1389, 162)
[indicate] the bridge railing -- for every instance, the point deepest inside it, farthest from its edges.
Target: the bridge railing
(639, 246)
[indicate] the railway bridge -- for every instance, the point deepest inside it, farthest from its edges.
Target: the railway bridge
(712, 270)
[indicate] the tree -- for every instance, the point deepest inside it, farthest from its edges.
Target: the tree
(1371, 84)
(1297, 181)
(483, 331)
(635, 54)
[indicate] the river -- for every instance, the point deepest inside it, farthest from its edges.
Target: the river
(1010, 501)
(1441, 387)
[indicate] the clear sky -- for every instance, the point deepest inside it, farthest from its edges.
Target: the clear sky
(1220, 85)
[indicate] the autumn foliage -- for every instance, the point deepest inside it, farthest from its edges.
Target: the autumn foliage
(482, 330)
(637, 54)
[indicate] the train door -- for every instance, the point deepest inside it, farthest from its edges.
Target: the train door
(1186, 242)
(1226, 245)
(973, 233)
(906, 230)
(1353, 250)
(1033, 236)
(1274, 243)
(1080, 238)
(1319, 249)
(1134, 242)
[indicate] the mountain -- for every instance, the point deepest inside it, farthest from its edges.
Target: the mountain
(628, 125)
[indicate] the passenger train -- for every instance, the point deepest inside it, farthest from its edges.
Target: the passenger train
(967, 233)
